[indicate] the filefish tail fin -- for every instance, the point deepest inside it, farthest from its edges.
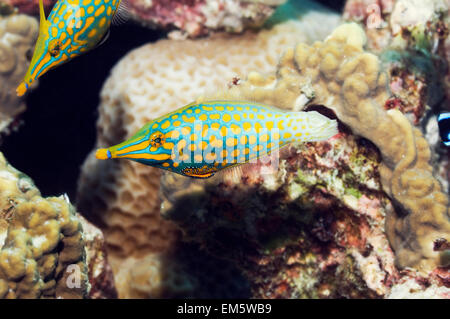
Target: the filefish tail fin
(322, 127)
(122, 14)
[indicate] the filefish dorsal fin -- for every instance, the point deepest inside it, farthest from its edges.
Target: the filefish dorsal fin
(122, 13)
(41, 15)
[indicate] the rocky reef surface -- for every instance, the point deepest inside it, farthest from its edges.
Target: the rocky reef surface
(124, 195)
(362, 215)
(314, 228)
(184, 18)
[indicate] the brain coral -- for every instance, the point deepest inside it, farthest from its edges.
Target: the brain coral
(150, 81)
(18, 34)
(43, 247)
(350, 81)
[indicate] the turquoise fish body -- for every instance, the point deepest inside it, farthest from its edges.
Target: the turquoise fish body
(72, 28)
(200, 139)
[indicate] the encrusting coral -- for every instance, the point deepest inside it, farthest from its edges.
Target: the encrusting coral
(43, 247)
(18, 34)
(348, 80)
(154, 80)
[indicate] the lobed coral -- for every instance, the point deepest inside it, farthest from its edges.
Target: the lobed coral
(350, 81)
(43, 246)
(121, 196)
(18, 34)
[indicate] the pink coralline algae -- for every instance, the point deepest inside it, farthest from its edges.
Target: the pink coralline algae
(30, 7)
(185, 18)
(199, 17)
(410, 37)
(314, 228)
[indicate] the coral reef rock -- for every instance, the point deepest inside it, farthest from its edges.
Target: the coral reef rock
(18, 34)
(200, 17)
(351, 82)
(314, 228)
(411, 38)
(47, 250)
(184, 18)
(122, 196)
(29, 7)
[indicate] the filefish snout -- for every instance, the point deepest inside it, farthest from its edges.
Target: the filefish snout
(21, 89)
(103, 154)
(72, 28)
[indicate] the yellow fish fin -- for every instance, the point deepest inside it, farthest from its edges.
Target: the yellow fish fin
(41, 15)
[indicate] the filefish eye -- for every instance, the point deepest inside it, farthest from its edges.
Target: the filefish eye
(157, 139)
(54, 48)
(29, 54)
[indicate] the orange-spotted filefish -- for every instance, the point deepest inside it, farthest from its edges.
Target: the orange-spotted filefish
(72, 28)
(201, 139)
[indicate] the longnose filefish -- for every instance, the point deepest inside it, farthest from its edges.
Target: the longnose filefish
(72, 28)
(444, 127)
(201, 139)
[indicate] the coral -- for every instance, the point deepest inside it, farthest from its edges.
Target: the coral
(409, 35)
(43, 246)
(18, 34)
(200, 17)
(101, 278)
(314, 228)
(189, 18)
(30, 7)
(350, 81)
(185, 272)
(413, 286)
(121, 196)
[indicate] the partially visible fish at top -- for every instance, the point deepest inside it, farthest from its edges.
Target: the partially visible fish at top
(73, 27)
(444, 127)
(203, 138)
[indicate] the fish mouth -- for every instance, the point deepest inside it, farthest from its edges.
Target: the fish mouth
(21, 89)
(103, 154)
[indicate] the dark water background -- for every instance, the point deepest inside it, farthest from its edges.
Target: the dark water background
(58, 128)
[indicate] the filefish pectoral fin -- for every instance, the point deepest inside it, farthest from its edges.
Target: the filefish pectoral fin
(199, 176)
(199, 172)
(103, 40)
